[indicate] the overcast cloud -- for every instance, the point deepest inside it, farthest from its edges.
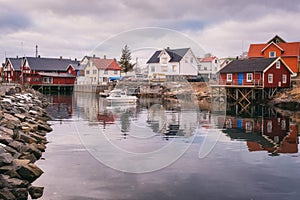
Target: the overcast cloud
(74, 28)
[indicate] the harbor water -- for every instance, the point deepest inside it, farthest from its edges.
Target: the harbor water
(159, 149)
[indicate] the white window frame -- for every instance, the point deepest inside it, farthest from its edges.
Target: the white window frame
(270, 78)
(272, 56)
(152, 68)
(164, 68)
(278, 65)
(284, 78)
(229, 77)
(251, 77)
(174, 68)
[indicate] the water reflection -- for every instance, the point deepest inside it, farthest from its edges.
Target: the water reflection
(263, 130)
(269, 132)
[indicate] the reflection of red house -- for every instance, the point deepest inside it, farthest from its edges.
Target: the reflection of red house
(289, 143)
(263, 72)
(277, 47)
(106, 118)
(49, 71)
(268, 134)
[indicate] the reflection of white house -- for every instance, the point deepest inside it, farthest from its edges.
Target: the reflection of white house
(172, 64)
(209, 66)
(99, 71)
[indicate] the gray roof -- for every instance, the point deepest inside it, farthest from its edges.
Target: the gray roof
(175, 54)
(50, 64)
(248, 65)
(16, 63)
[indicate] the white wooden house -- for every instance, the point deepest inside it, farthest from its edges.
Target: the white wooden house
(172, 64)
(209, 66)
(101, 70)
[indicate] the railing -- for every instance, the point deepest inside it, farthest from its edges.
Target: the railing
(241, 82)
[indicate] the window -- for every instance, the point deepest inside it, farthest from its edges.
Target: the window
(278, 65)
(249, 77)
(164, 60)
(272, 54)
(87, 72)
(105, 71)
(152, 68)
(47, 80)
(192, 60)
(229, 77)
(174, 68)
(94, 71)
(284, 77)
(164, 68)
(270, 78)
(269, 126)
(186, 60)
(116, 72)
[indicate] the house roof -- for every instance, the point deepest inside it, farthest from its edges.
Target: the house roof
(289, 49)
(175, 54)
(105, 64)
(207, 59)
(248, 65)
(16, 63)
(50, 64)
(277, 39)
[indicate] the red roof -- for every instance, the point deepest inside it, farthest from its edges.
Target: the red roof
(289, 48)
(208, 59)
(106, 64)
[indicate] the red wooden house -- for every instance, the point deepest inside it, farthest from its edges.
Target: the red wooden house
(12, 69)
(277, 47)
(262, 72)
(49, 71)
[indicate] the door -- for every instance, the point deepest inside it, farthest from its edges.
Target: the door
(240, 78)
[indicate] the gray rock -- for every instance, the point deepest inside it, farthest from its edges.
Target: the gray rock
(11, 118)
(20, 116)
(26, 138)
(30, 172)
(6, 131)
(5, 194)
(36, 192)
(20, 193)
(5, 158)
(17, 146)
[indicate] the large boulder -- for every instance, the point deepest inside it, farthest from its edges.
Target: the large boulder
(30, 172)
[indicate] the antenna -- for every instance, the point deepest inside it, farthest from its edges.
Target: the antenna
(36, 51)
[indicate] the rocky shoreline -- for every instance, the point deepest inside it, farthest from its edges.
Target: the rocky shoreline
(23, 129)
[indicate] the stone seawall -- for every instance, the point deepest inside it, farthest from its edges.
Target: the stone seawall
(23, 129)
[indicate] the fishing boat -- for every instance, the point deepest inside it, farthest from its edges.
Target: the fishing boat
(118, 96)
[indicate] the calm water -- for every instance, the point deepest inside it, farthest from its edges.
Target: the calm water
(167, 150)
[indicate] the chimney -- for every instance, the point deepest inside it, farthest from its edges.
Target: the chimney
(75, 59)
(168, 48)
(60, 57)
(17, 56)
(104, 56)
(94, 55)
(39, 56)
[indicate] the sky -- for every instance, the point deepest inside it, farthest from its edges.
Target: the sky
(75, 28)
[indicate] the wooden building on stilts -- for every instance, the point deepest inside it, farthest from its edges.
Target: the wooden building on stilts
(243, 82)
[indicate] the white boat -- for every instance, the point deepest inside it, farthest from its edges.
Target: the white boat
(120, 97)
